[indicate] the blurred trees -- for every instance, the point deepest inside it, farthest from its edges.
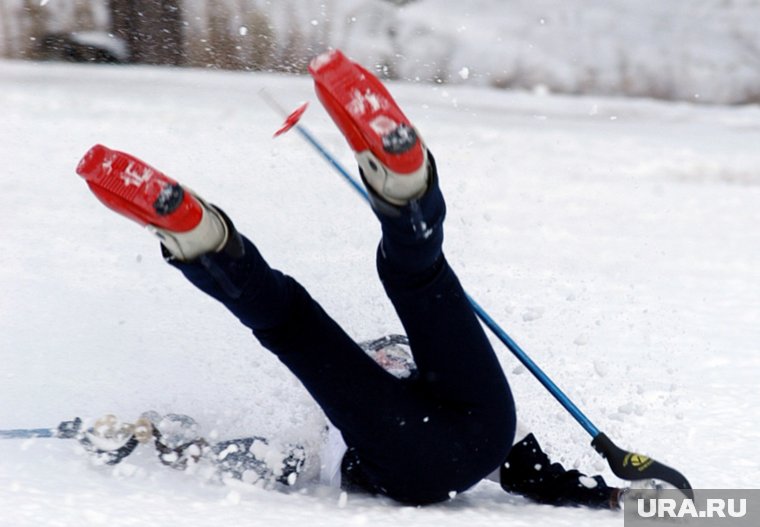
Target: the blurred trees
(152, 29)
(229, 34)
(44, 29)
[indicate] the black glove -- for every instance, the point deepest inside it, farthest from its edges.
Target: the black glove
(527, 471)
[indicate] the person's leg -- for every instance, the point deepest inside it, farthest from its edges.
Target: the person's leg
(451, 350)
(458, 369)
(456, 363)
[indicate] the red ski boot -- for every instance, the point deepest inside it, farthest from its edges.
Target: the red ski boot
(390, 153)
(186, 225)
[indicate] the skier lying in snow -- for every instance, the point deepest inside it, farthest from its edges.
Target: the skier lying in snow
(419, 439)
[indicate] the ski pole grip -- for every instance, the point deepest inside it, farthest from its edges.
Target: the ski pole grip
(633, 467)
(604, 445)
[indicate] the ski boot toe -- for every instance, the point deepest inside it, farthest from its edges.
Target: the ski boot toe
(391, 155)
(186, 225)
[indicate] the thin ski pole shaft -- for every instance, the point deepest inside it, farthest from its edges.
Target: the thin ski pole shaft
(27, 433)
(358, 187)
(64, 430)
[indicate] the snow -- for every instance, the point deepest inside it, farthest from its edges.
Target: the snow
(631, 223)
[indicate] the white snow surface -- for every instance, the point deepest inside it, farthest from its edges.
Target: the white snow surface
(615, 240)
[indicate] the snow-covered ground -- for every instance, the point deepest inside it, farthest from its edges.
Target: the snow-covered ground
(615, 240)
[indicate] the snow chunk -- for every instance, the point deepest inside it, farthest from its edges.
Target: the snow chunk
(581, 340)
(600, 368)
(533, 313)
(321, 60)
(221, 456)
(589, 483)
(627, 408)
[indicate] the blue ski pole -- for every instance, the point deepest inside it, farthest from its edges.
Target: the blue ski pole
(27, 433)
(65, 430)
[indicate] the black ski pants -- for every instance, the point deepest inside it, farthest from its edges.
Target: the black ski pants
(417, 441)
